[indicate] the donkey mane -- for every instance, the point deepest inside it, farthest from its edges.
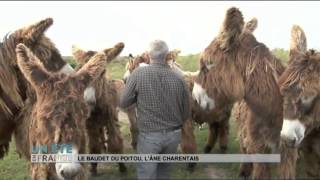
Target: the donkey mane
(13, 87)
(300, 66)
(259, 65)
(8, 76)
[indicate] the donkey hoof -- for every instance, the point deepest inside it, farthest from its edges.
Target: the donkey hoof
(244, 175)
(122, 168)
(223, 149)
(93, 172)
(207, 149)
(191, 167)
(134, 145)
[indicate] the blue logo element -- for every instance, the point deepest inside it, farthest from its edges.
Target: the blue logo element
(52, 149)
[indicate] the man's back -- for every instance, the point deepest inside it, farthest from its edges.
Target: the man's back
(162, 97)
(162, 100)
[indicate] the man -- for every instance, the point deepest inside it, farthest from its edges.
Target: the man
(162, 100)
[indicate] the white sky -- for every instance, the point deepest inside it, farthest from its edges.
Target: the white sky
(189, 26)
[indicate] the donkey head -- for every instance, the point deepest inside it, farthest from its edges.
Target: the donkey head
(300, 87)
(34, 38)
(135, 62)
(144, 60)
(219, 81)
(60, 111)
(82, 56)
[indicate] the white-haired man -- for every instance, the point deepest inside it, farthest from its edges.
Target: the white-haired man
(162, 100)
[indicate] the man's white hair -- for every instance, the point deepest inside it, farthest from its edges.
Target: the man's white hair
(158, 50)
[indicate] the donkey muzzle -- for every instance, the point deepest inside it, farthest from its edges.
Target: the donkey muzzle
(292, 132)
(68, 171)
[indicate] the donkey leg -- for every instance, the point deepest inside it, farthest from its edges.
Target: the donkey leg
(114, 140)
(95, 146)
(4, 148)
(212, 137)
(6, 129)
(4, 145)
(312, 165)
(310, 150)
(245, 168)
(223, 133)
(131, 112)
(287, 167)
(260, 170)
(188, 142)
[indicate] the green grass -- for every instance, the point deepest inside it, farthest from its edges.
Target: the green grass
(282, 54)
(189, 63)
(12, 167)
(116, 68)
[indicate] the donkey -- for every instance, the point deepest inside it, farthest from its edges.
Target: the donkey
(14, 88)
(113, 85)
(59, 114)
(102, 125)
(300, 88)
(236, 67)
(218, 119)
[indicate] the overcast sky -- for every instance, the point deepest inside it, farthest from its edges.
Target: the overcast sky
(189, 26)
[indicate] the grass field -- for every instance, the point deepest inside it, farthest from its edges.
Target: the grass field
(11, 167)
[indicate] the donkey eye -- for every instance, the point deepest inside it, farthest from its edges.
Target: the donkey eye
(307, 99)
(304, 98)
(209, 66)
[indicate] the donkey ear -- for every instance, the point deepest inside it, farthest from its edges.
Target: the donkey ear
(113, 52)
(145, 57)
(35, 31)
(298, 43)
(78, 54)
(31, 66)
(172, 55)
(251, 25)
(231, 29)
(92, 69)
(169, 56)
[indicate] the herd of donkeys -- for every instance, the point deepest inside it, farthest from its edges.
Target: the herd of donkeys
(43, 100)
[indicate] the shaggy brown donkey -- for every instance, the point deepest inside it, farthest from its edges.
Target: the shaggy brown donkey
(113, 86)
(217, 119)
(103, 126)
(300, 87)
(236, 67)
(59, 114)
(14, 89)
